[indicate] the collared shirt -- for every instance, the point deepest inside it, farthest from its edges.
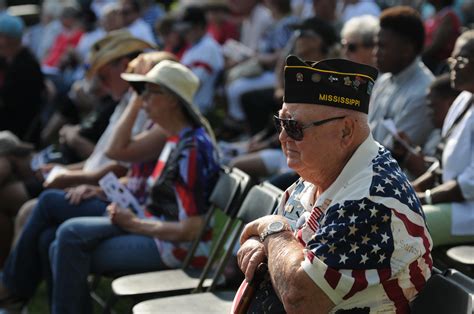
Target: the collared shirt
(365, 237)
(402, 98)
(458, 162)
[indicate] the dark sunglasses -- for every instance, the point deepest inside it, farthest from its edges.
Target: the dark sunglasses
(294, 129)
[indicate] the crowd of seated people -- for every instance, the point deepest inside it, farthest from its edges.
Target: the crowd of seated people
(79, 93)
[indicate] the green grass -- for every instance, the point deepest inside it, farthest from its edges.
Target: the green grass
(39, 304)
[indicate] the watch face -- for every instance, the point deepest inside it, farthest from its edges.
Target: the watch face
(276, 226)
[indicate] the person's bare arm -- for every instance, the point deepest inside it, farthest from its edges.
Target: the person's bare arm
(297, 291)
(445, 193)
(180, 231)
(76, 166)
(77, 177)
(425, 181)
(145, 146)
(70, 135)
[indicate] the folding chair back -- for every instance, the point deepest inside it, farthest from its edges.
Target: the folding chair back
(260, 201)
(227, 194)
(444, 294)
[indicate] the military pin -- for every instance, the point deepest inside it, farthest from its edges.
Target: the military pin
(333, 79)
(299, 77)
(370, 85)
(347, 81)
(356, 84)
(316, 78)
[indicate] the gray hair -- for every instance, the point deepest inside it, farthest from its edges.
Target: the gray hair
(365, 27)
(467, 38)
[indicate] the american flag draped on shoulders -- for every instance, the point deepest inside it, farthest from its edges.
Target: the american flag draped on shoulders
(365, 238)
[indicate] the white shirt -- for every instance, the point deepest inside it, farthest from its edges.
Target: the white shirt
(98, 159)
(363, 7)
(87, 40)
(255, 26)
(142, 30)
(458, 163)
(206, 60)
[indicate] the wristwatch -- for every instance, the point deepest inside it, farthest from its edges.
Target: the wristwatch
(272, 228)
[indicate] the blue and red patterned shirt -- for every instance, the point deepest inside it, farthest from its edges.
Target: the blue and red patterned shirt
(180, 186)
(365, 239)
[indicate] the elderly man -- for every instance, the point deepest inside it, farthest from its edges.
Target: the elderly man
(350, 233)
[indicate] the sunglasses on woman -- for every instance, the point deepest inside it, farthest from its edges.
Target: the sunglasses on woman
(294, 129)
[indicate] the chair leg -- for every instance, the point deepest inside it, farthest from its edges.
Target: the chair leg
(109, 304)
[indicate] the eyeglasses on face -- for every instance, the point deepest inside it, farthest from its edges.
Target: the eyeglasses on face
(353, 47)
(294, 129)
(459, 60)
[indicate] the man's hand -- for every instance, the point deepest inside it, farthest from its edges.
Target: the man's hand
(250, 255)
(82, 192)
(122, 217)
(256, 227)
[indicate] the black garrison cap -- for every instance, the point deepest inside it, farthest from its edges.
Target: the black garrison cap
(333, 82)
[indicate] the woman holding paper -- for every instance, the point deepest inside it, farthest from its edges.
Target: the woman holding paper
(158, 237)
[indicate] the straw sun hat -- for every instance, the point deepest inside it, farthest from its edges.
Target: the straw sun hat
(180, 80)
(115, 45)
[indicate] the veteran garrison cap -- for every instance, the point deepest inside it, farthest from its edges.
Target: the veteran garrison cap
(333, 82)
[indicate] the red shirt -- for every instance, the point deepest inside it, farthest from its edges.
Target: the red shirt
(63, 42)
(432, 25)
(223, 32)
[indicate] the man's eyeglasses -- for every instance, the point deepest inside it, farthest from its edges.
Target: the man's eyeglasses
(460, 61)
(294, 129)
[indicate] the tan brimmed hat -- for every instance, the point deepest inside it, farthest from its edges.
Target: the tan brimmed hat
(11, 144)
(180, 80)
(115, 45)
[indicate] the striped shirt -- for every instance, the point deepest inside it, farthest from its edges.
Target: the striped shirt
(179, 188)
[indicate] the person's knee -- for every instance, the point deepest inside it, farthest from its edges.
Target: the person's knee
(50, 198)
(236, 88)
(24, 213)
(22, 217)
(68, 232)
